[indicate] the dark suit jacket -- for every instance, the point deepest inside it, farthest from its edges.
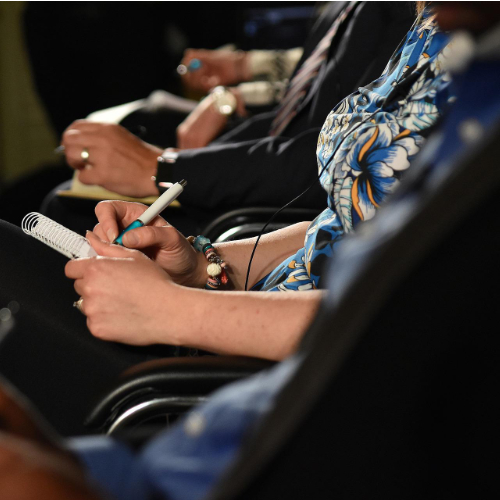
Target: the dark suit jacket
(247, 167)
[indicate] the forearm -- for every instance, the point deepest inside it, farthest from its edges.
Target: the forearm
(262, 324)
(273, 249)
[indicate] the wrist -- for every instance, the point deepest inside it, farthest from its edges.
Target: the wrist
(223, 101)
(216, 274)
(172, 315)
(243, 68)
(201, 275)
(241, 109)
(150, 171)
(165, 166)
(197, 277)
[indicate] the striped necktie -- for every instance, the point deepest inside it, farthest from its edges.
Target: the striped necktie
(302, 80)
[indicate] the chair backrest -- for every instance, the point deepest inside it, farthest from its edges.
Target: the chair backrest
(397, 399)
(6, 321)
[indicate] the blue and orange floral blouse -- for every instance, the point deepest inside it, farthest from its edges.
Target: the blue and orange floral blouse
(365, 146)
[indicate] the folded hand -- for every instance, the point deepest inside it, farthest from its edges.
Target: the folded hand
(117, 160)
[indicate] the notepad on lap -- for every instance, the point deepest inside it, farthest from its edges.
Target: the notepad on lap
(57, 236)
(98, 193)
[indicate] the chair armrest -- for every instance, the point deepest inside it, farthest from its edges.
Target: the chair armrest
(182, 382)
(246, 222)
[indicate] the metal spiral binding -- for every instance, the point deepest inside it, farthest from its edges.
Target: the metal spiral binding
(54, 235)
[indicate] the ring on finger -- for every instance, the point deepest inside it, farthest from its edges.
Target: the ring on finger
(79, 304)
(85, 155)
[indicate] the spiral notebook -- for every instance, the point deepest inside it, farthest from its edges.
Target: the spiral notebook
(57, 236)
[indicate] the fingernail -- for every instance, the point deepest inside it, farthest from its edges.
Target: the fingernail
(131, 239)
(111, 235)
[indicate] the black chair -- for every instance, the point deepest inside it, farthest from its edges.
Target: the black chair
(153, 394)
(7, 321)
(248, 222)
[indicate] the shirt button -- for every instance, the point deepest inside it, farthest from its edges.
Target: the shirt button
(470, 130)
(194, 425)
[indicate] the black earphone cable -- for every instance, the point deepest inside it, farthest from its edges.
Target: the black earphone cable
(325, 166)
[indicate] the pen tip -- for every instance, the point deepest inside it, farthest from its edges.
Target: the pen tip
(183, 183)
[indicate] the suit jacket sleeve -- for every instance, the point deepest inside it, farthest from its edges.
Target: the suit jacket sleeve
(255, 172)
(243, 170)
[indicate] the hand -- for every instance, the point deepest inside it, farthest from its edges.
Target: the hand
(204, 123)
(118, 160)
(126, 296)
(219, 67)
(159, 240)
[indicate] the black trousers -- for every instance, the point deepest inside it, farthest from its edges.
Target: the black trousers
(50, 355)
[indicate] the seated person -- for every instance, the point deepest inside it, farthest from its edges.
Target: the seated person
(268, 150)
(187, 461)
(365, 146)
(258, 79)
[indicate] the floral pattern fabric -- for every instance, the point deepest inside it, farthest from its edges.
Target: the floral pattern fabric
(366, 145)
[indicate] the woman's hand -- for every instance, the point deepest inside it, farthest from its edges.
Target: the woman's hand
(126, 296)
(160, 241)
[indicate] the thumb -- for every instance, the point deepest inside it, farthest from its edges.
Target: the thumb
(150, 236)
(106, 249)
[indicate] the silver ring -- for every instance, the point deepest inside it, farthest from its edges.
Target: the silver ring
(182, 69)
(85, 155)
(78, 304)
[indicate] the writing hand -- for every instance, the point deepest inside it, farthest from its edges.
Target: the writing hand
(160, 241)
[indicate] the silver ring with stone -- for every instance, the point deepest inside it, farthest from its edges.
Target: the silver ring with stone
(78, 304)
(85, 155)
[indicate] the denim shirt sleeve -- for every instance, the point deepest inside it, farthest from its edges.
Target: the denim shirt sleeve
(111, 467)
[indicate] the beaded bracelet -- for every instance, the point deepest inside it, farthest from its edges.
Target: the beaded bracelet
(216, 268)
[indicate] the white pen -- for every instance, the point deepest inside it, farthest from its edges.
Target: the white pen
(155, 209)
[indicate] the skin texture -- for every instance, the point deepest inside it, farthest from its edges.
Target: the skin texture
(219, 67)
(204, 123)
(118, 160)
(125, 292)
